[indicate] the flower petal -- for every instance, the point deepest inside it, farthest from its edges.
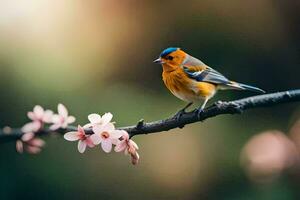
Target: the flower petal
(80, 130)
(135, 158)
(81, 146)
(27, 136)
(48, 115)
(94, 118)
(121, 146)
(62, 110)
(96, 138)
(89, 125)
(126, 151)
(114, 141)
(33, 149)
(31, 127)
(56, 118)
(109, 127)
(125, 135)
(37, 142)
(71, 136)
(64, 124)
(19, 146)
(89, 142)
(54, 127)
(106, 118)
(31, 116)
(117, 133)
(98, 129)
(71, 119)
(38, 111)
(106, 145)
(132, 143)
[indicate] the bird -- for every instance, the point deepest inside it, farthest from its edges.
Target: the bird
(190, 80)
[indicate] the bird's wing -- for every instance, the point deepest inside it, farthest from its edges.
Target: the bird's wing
(198, 71)
(207, 74)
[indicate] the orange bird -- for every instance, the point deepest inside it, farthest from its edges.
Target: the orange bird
(190, 80)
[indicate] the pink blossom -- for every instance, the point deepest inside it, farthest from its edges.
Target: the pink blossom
(39, 116)
(29, 143)
(268, 154)
(107, 135)
(84, 140)
(19, 146)
(129, 147)
(62, 119)
(96, 119)
(32, 127)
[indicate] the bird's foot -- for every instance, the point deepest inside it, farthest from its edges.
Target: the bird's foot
(199, 111)
(179, 114)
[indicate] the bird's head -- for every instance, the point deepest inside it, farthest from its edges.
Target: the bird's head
(171, 56)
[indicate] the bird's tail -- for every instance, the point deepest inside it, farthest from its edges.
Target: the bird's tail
(241, 86)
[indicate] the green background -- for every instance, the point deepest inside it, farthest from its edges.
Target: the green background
(96, 56)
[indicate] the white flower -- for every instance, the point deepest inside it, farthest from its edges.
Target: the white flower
(62, 119)
(107, 135)
(96, 119)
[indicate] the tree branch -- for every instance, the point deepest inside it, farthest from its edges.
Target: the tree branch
(219, 108)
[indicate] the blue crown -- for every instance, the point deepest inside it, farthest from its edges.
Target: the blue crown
(168, 51)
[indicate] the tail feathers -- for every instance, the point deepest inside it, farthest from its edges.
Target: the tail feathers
(251, 88)
(246, 87)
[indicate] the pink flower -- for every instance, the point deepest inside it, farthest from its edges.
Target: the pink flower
(84, 140)
(39, 116)
(96, 119)
(32, 127)
(107, 135)
(268, 154)
(62, 119)
(30, 143)
(129, 147)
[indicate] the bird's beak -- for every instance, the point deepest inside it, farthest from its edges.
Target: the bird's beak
(158, 61)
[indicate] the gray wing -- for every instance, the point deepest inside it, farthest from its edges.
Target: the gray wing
(207, 75)
(192, 61)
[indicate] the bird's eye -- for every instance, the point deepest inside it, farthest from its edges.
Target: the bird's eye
(170, 57)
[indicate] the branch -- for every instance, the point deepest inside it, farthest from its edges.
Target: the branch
(219, 108)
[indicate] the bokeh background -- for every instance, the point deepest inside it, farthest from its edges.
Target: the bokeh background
(96, 56)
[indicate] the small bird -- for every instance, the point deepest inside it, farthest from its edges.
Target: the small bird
(190, 80)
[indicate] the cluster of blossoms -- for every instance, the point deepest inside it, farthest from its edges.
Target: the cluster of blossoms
(40, 117)
(104, 132)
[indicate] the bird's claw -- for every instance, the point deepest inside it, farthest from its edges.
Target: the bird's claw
(199, 112)
(179, 114)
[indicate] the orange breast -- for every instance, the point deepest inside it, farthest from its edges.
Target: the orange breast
(206, 90)
(185, 88)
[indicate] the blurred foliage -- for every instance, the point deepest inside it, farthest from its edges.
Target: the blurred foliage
(96, 56)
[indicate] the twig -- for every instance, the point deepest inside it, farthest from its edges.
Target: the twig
(219, 108)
